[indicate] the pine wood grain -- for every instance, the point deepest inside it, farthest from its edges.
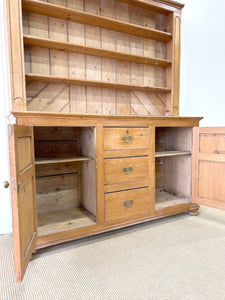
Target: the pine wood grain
(93, 83)
(116, 138)
(23, 192)
(56, 11)
(59, 221)
(115, 173)
(209, 166)
(115, 204)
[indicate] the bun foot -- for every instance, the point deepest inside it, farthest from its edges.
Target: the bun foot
(194, 211)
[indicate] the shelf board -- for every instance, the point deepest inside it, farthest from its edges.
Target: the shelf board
(75, 48)
(44, 161)
(157, 7)
(62, 220)
(73, 15)
(171, 153)
(164, 199)
(93, 83)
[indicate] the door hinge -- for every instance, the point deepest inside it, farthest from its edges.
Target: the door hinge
(10, 130)
(18, 276)
(18, 186)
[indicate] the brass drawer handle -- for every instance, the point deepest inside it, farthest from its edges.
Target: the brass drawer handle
(128, 203)
(128, 170)
(127, 138)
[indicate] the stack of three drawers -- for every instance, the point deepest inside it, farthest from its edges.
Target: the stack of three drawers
(126, 172)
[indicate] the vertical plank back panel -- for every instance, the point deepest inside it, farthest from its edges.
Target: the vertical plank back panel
(97, 67)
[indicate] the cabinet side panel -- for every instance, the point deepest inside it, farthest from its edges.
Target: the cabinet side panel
(173, 72)
(15, 38)
(89, 186)
(177, 178)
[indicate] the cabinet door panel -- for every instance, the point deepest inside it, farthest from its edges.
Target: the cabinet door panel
(212, 180)
(23, 193)
(208, 185)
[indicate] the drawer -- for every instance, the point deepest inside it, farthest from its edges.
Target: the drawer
(212, 143)
(126, 169)
(126, 138)
(125, 204)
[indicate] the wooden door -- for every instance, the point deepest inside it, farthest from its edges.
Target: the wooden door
(23, 193)
(208, 169)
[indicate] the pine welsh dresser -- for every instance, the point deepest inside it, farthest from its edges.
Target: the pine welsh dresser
(96, 142)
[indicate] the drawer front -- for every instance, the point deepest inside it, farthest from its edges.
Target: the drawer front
(125, 204)
(126, 169)
(212, 143)
(126, 138)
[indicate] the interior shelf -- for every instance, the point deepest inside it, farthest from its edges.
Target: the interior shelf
(80, 49)
(44, 161)
(65, 13)
(171, 153)
(93, 83)
(57, 221)
(164, 199)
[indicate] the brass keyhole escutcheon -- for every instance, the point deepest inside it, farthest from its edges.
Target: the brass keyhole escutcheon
(127, 138)
(128, 203)
(128, 170)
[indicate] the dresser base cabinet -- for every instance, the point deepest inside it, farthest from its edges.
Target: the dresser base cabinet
(76, 176)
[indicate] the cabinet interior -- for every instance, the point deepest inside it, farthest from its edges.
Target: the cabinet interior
(65, 178)
(172, 166)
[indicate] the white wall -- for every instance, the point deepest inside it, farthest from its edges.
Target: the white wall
(202, 90)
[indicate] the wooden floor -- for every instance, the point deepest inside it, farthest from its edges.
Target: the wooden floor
(58, 221)
(164, 199)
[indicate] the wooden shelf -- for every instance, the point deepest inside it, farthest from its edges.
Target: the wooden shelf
(171, 153)
(157, 7)
(75, 48)
(93, 83)
(44, 161)
(164, 199)
(65, 13)
(57, 221)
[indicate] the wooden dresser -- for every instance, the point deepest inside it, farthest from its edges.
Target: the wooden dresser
(96, 142)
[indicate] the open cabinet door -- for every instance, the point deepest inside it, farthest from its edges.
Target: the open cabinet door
(23, 193)
(208, 169)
